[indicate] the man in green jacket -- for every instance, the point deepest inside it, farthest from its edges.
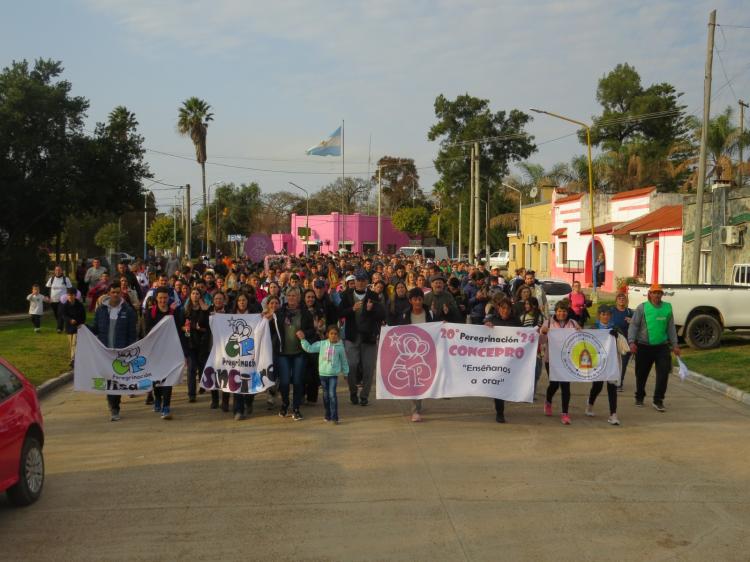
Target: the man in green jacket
(651, 334)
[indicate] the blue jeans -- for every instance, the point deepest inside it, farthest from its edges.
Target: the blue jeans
(329, 397)
(292, 370)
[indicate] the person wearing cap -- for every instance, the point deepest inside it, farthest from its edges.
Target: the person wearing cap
(363, 316)
(604, 322)
(441, 302)
(324, 303)
(501, 315)
(416, 314)
(477, 298)
(651, 334)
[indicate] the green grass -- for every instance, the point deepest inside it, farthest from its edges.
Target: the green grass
(39, 357)
(727, 363)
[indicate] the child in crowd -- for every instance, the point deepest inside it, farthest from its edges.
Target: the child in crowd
(36, 306)
(604, 322)
(331, 362)
(533, 318)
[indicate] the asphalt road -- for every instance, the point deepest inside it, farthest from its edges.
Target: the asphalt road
(671, 486)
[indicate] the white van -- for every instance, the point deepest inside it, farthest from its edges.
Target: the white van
(428, 252)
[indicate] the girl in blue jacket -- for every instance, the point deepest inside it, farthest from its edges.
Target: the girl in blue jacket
(331, 362)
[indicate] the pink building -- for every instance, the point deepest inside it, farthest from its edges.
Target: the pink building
(328, 233)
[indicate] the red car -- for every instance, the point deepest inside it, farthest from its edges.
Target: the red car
(21, 437)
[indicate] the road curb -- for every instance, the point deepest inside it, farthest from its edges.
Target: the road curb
(716, 386)
(51, 385)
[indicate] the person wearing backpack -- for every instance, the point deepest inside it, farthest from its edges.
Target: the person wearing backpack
(58, 285)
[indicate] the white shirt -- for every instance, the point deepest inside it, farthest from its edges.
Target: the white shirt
(57, 287)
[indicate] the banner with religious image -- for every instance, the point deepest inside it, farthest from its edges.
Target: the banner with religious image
(583, 356)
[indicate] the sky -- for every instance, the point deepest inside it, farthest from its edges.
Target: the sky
(280, 76)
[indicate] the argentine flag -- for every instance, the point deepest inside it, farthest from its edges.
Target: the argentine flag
(328, 147)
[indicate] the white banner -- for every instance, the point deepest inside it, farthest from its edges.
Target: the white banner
(241, 359)
(583, 356)
(444, 360)
(133, 370)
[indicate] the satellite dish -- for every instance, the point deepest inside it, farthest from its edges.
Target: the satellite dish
(533, 192)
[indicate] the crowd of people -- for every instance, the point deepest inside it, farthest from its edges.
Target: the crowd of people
(325, 315)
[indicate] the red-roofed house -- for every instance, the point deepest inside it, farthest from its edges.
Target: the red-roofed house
(618, 252)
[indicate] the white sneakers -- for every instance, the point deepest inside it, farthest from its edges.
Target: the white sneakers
(613, 420)
(590, 410)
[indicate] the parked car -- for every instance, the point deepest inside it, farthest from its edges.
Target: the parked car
(499, 259)
(21, 438)
(702, 312)
(118, 257)
(556, 290)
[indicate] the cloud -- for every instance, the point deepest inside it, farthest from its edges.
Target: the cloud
(382, 63)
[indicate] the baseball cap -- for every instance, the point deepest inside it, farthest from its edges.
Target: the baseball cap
(361, 276)
(350, 278)
(655, 288)
(319, 284)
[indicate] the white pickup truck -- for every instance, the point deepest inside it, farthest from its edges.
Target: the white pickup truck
(702, 312)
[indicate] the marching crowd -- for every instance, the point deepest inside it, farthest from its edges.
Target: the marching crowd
(325, 314)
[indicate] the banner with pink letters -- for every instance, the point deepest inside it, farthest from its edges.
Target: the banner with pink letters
(445, 360)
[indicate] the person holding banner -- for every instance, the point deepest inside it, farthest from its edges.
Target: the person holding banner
(242, 404)
(604, 322)
(116, 327)
(220, 307)
(651, 334)
(417, 314)
(559, 321)
(502, 315)
(162, 394)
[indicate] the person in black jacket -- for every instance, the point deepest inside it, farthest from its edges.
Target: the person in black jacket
(501, 316)
(73, 317)
(416, 314)
(196, 329)
(323, 302)
(245, 303)
(292, 360)
(398, 304)
(151, 317)
(363, 315)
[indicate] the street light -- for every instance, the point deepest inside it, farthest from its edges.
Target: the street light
(591, 188)
(307, 217)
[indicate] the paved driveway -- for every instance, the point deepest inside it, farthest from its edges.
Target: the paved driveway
(673, 486)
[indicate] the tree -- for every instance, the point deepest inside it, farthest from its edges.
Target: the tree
(276, 210)
(237, 207)
(400, 183)
(639, 129)
(502, 140)
(110, 236)
(534, 175)
(52, 170)
(355, 194)
(413, 220)
(161, 232)
(192, 121)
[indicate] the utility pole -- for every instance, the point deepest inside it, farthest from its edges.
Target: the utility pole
(380, 208)
(487, 228)
(174, 226)
(743, 105)
(145, 224)
(470, 246)
(188, 222)
(701, 180)
(460, 228)
(477, 198)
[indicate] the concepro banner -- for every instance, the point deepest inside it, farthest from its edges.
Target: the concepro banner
(241, 359)
(583, 356)
(445, 360)
(133, 370)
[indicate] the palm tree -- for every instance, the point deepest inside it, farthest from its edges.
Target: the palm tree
(121, 121)
(192, 121)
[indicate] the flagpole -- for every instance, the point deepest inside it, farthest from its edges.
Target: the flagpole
(343, 180)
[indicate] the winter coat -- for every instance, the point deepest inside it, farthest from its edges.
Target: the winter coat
(368, 325)
(126, 332)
